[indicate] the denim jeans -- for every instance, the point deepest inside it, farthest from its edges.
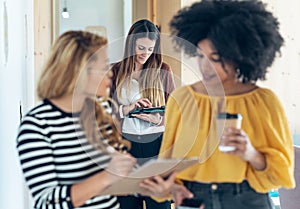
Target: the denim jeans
(229, 195)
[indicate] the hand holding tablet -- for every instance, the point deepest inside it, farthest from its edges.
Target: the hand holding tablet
(161, 167)
(147, 110)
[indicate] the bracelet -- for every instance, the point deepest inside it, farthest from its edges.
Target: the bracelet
(121, 111)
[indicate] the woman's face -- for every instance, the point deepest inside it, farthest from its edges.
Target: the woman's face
(144, 47)
(211, 66)
(98, 75)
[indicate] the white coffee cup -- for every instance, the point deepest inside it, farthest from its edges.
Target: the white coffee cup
(227, 120)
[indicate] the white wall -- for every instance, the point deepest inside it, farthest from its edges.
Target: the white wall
(113, 14)
(127, 19)
(284, 75)
(94, 12)
(15, 78)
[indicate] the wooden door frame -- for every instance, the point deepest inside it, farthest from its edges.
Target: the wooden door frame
(42, 34)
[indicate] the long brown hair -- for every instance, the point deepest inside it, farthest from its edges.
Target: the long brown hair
(150, 81)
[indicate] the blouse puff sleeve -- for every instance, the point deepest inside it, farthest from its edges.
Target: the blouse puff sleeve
(279, 151)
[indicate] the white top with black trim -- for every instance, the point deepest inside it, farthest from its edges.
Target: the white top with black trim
(54, 154)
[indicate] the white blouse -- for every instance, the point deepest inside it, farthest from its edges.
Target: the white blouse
(134, 125)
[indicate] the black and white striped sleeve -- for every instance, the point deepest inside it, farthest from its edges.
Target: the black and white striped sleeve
(38, 165)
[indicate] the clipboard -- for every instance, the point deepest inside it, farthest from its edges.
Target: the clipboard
(162, 167)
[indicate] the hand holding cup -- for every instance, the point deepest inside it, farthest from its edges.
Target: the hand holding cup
(227, 120)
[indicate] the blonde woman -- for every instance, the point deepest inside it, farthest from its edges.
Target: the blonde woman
(63, 141)
(142, 80)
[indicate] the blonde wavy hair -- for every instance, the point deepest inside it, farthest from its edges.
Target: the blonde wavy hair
(69, 57)
(97, 123)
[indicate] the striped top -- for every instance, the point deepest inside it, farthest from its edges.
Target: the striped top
(54, 154)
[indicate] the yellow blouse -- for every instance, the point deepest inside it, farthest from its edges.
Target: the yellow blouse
(190, 132)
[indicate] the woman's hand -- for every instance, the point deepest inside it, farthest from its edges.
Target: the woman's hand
(180, 192)
(157, 186)
(143, 102)
(153, 118)
(244, 148)
(119, 166)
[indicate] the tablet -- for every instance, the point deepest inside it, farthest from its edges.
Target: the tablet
(162, 167)
(160, 110)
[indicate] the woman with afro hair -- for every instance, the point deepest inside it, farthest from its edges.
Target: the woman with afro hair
(235, 42)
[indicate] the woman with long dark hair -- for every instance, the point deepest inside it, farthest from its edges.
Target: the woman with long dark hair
(142, 80)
